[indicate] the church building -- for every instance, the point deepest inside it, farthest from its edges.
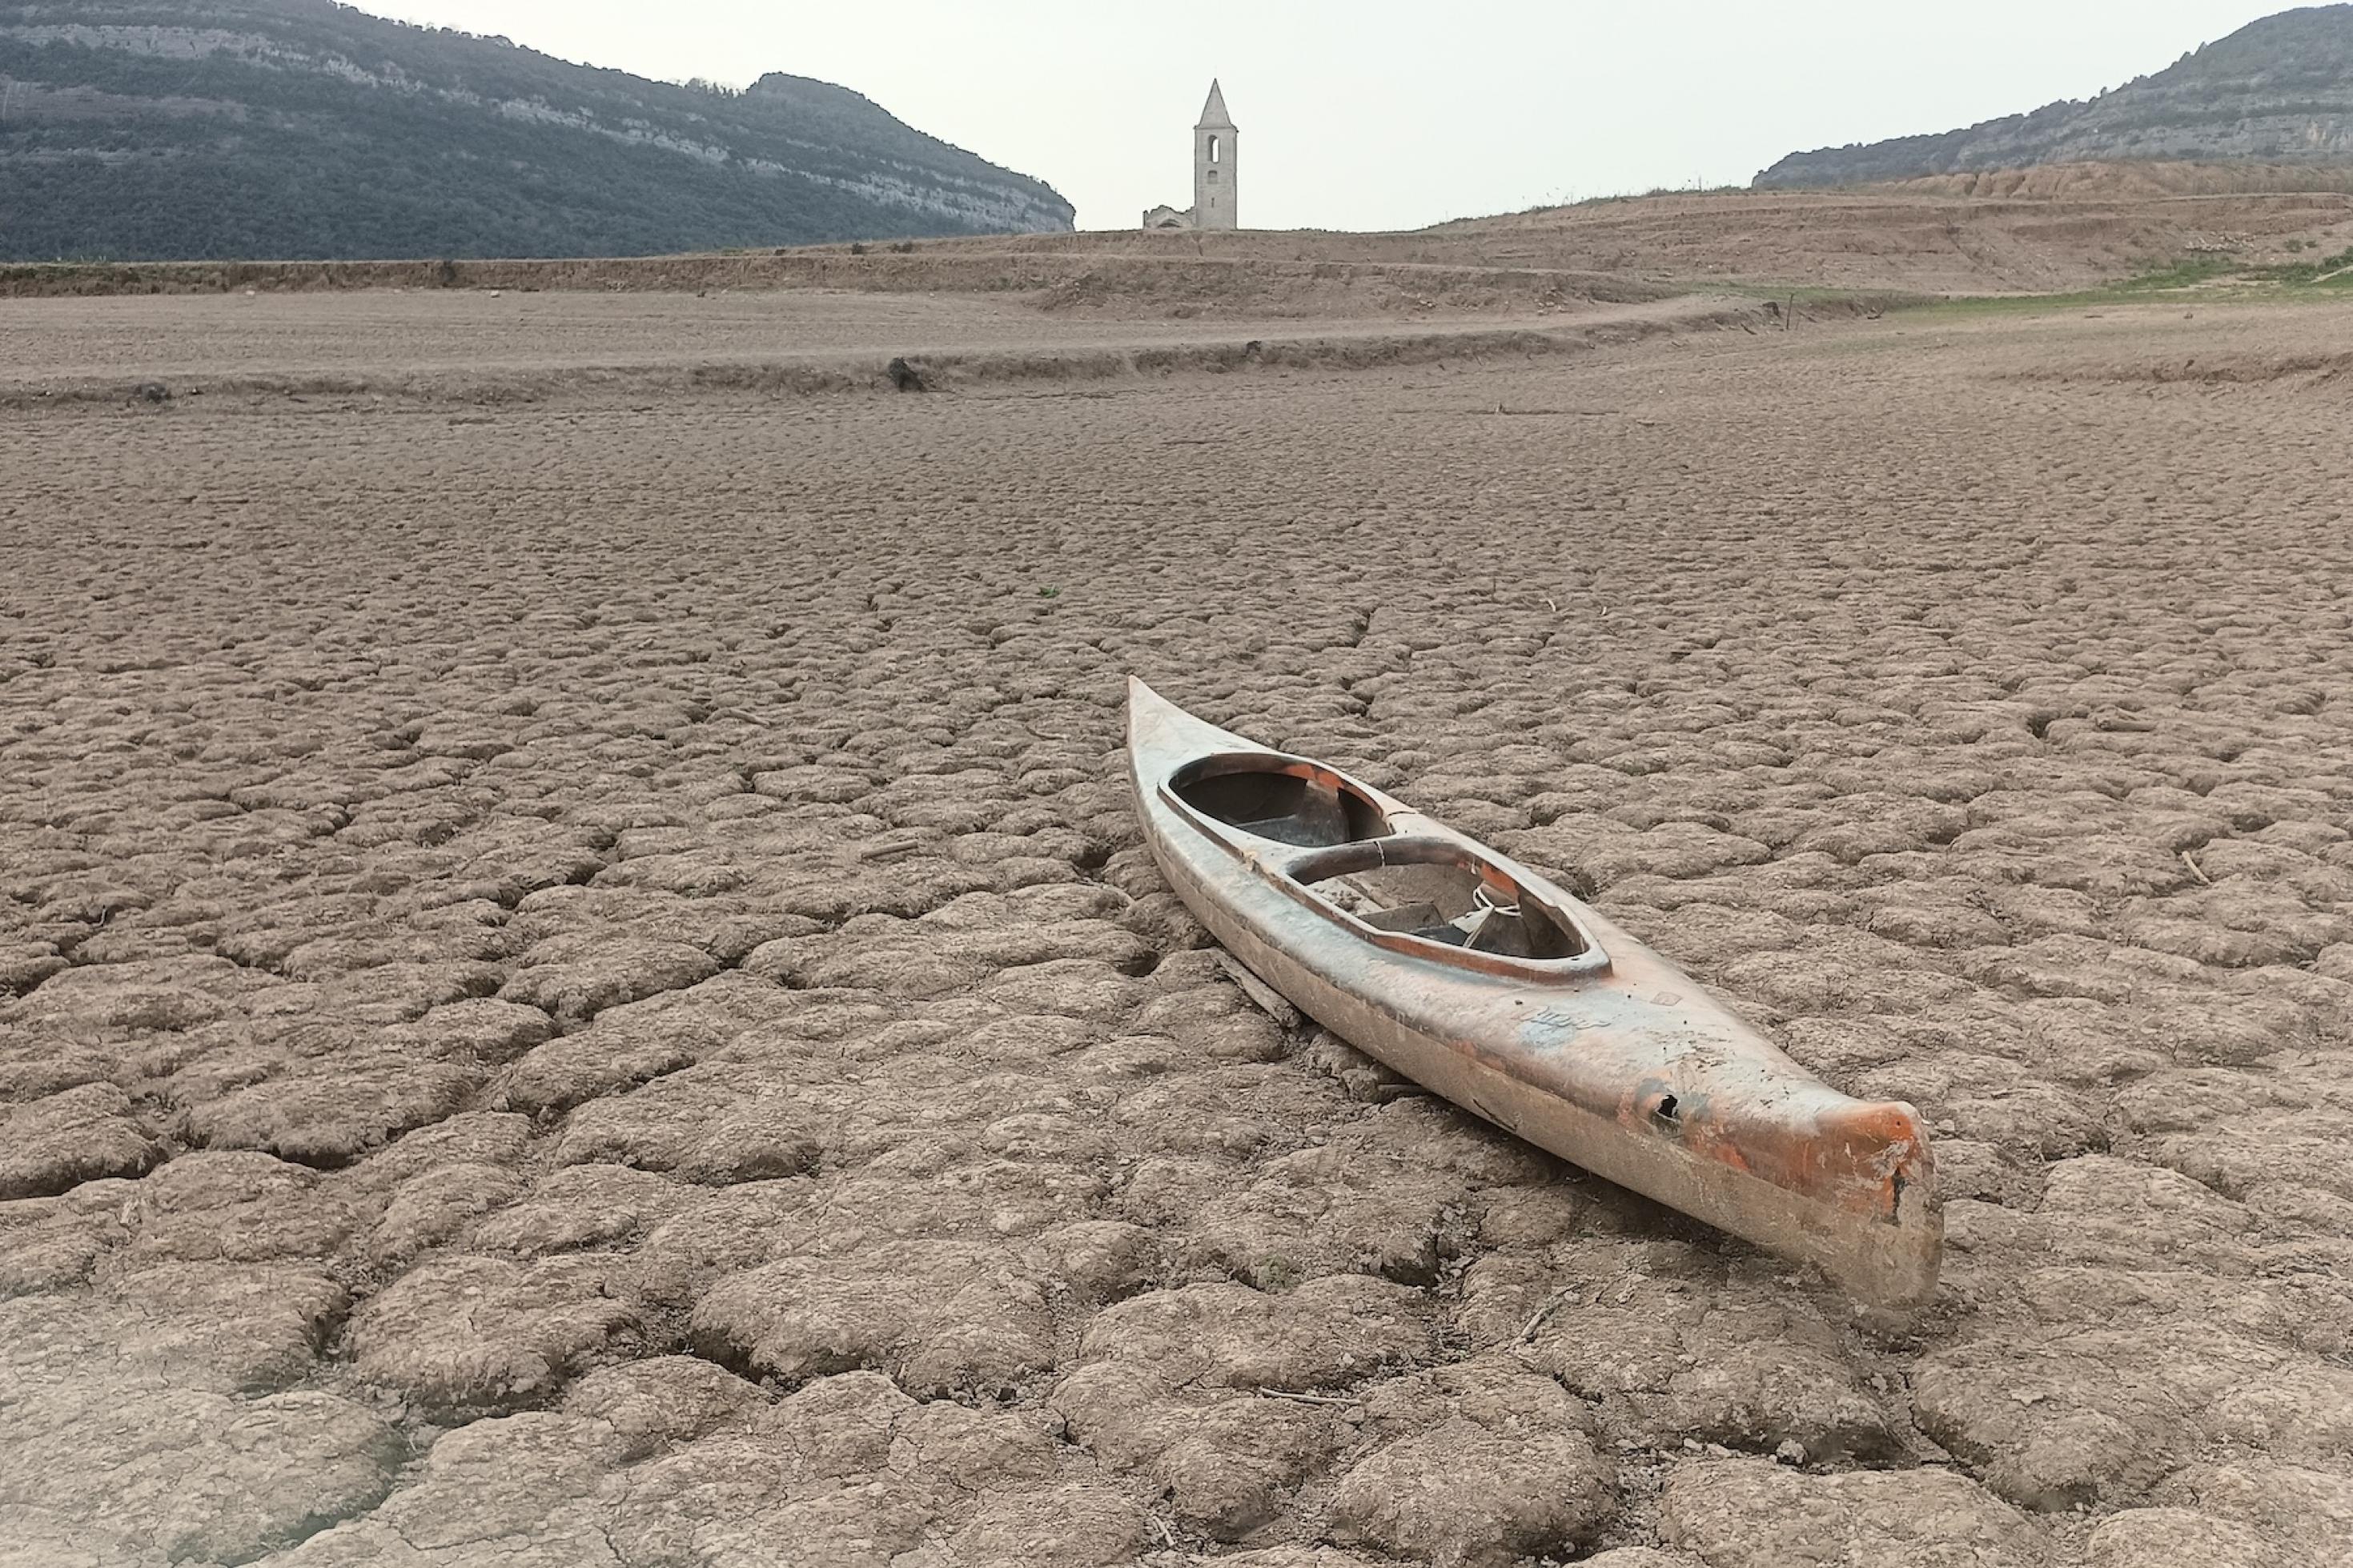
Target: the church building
(1213, 173)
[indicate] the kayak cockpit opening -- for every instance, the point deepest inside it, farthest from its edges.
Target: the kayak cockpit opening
(1439, 891)
(1293, 802)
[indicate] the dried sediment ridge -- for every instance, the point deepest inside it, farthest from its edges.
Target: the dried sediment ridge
(1061, 277)
(1998, 232)
(1203, 349)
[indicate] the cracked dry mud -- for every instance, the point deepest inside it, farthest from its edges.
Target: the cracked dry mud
(577, 986)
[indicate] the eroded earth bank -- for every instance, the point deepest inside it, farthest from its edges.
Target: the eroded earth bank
(576, 986)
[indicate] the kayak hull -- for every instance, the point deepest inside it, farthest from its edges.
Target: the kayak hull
(1565, 1032)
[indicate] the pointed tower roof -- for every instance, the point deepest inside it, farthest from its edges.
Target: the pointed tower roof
(1213, 114)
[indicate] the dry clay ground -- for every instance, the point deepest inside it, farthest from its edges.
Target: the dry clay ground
(581, 991)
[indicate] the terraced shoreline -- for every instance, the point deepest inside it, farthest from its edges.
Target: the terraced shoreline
(433, 348)
(577, 984)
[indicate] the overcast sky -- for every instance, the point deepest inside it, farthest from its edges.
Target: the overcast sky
(1370, 114)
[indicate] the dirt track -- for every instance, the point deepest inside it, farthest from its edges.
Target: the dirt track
(585, 993)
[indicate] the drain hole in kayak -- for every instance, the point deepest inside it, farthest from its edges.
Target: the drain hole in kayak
(1448, 902)
(1298, 803)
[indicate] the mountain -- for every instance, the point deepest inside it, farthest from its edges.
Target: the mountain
(147, 130)
(2277, 90)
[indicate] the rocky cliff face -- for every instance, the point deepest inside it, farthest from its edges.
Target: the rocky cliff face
(161, 129)
(2277, 90)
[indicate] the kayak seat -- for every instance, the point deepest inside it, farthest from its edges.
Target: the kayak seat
(1439, 891)
(1298, 803)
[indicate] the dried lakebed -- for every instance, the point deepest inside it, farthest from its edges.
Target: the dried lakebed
(577, 984)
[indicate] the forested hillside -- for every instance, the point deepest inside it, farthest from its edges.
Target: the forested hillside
(2279, 90)
(215, 129)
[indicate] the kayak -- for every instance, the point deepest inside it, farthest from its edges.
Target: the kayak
(1488, 984)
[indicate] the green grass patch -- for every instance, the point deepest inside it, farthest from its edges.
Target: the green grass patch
(2202, 280)
(1802, 294)
(2189, 272)
(2329, 271)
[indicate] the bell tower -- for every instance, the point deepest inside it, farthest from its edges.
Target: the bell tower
(1213, 165)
